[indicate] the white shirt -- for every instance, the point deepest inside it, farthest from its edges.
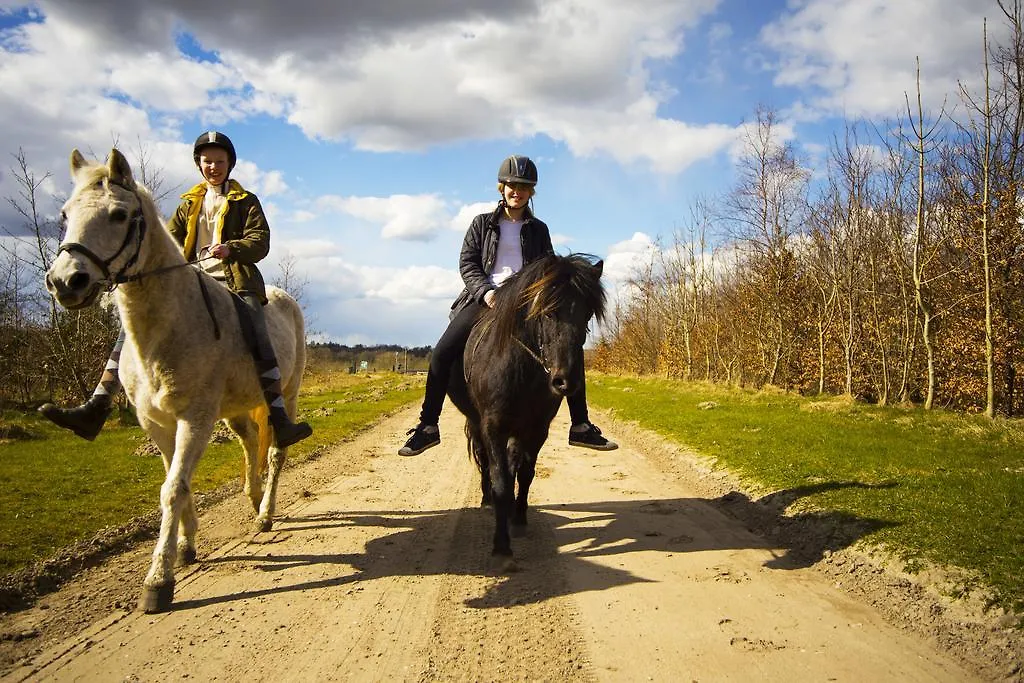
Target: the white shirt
(208, 229)
(509, 259)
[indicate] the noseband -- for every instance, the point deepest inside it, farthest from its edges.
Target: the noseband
(136, 230)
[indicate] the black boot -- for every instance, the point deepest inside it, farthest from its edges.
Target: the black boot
(287, 432)
(86, 420)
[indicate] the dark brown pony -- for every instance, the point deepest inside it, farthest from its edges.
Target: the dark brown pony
(522, 358)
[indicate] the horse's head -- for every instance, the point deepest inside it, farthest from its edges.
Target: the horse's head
(555, 297)
(103, 224)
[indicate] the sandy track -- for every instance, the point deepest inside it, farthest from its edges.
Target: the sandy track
(379, 569)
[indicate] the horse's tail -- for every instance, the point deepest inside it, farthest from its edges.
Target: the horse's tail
(260, 415)
(474, 447)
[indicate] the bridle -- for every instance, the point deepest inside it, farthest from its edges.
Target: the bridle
(137, 231)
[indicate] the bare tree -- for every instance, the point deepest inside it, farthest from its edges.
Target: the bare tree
(767, 209)
(922, 143)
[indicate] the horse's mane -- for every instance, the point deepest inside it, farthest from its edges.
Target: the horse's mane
(544, 287)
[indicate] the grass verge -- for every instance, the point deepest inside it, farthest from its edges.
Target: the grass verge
(941, 487)
(57, 489)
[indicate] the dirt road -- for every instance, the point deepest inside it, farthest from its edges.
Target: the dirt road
(379, 569)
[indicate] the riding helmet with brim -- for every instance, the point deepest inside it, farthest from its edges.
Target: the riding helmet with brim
(518, 169)
(214, 139)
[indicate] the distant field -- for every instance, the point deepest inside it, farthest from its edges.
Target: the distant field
(949, 488)
(56, 489)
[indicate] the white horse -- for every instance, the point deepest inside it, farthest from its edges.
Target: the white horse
(185, 362)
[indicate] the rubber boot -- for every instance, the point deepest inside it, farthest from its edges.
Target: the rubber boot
(86, 420)
(286, 432)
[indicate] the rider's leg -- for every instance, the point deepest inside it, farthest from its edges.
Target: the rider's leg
(87, 419)
(583, 432)
(286, 432)
(448, 349)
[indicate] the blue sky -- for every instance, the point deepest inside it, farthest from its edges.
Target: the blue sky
(372, 131)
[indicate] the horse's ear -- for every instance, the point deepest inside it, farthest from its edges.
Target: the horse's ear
(77, 161)
(120, 171)
(599, 267)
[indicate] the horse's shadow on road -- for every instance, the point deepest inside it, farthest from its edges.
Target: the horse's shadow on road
(581, 540)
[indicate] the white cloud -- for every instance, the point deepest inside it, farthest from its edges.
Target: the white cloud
(625, 257)
(467, 212)
(858, 58)
(585, 65)
(309, 249)
(401, 216)
(412, 284)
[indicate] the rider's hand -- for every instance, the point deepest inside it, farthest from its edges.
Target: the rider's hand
(221, 251)
(489, 298)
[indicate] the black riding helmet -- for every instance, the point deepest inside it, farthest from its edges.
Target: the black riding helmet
(214, 139)
(518, 169)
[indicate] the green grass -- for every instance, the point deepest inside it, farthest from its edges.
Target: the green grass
(944, 487)
(57, 489)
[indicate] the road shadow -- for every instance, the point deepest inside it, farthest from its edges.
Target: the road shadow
(565, 539)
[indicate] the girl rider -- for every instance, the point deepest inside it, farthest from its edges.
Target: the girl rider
(496, 245)
(217, 218)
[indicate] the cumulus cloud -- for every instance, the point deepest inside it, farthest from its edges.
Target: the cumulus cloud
(625, 258)
(858, 58)
(434, 72)
(401, 216)
(467, 212)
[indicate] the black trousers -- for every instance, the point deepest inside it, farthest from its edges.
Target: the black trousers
(450, 347)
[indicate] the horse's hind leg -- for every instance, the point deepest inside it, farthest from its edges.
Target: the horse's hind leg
(248, 435)
(276, 458)
(501, 486)
(175, 499)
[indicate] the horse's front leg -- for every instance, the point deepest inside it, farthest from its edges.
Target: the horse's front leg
(501, 490)
(529, 448)
(524, 476)
(163, 437)
(175, 503)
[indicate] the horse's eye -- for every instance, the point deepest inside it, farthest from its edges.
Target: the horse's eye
(118, 215)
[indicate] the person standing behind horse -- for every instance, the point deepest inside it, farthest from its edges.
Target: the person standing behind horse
(497, 245)
(223, 226)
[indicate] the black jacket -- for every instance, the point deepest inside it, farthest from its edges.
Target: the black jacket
(480, 248)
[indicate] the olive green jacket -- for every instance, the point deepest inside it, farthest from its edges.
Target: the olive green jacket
(240, 224)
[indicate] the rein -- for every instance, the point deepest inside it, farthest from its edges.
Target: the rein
(533, 354)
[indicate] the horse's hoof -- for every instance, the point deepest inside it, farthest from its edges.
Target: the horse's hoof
(264, 524)
(485, 502)
(156, 599)
(186, 556)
